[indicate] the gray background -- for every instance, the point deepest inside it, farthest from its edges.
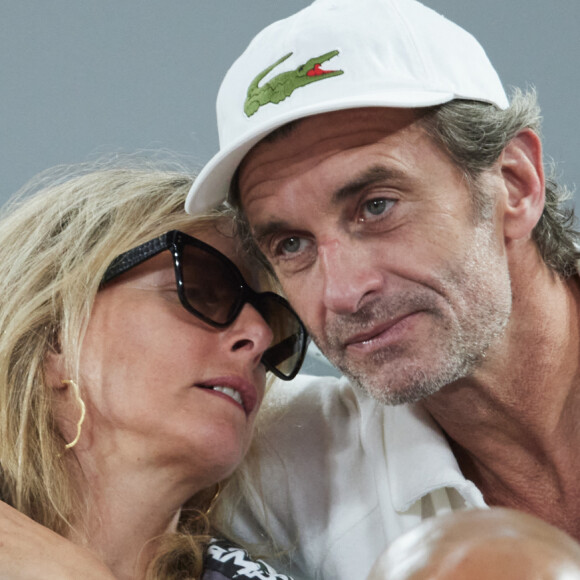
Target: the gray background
(80, 78)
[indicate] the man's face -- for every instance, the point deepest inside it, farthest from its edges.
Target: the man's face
(371, 231)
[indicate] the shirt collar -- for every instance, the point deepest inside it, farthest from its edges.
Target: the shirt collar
(420, 459)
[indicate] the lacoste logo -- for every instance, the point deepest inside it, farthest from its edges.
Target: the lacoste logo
(284, 84)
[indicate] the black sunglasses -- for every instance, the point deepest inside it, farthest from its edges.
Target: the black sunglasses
(211, 287)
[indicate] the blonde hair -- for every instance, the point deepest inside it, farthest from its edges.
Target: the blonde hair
(56, 240)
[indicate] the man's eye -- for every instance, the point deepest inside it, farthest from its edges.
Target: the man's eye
(292, 248)
(375, 207)
(290, 245)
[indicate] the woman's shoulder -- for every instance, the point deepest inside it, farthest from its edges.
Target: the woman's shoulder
(225, 560)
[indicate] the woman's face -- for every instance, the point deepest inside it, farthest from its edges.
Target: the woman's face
(147, 368)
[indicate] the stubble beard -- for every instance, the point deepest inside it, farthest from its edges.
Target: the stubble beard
(477, 291)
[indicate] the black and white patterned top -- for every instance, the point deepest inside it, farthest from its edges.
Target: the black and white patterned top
(225, 561)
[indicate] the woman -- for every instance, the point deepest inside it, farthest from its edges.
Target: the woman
(133, 360)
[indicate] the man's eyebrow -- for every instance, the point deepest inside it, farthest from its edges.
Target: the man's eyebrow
(368, 177)
(263, 231)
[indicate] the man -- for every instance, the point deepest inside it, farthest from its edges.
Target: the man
(401, 202)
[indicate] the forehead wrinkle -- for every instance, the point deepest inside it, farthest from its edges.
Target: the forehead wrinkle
(265, 153)
(262, 158)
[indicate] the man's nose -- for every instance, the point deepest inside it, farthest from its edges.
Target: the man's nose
(349, 276)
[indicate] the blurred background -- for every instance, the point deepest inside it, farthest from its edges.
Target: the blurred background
(83, 78)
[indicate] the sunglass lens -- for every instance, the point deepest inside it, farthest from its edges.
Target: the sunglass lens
(286, 351)
(208, 284)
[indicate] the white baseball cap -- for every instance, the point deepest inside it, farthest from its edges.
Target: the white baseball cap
(341, 54)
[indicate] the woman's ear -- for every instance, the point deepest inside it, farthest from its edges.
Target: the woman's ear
(523, 175)
(54, 369)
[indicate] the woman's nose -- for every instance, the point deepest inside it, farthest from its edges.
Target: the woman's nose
(249, 334)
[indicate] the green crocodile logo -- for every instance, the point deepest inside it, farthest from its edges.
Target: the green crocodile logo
(284, 84)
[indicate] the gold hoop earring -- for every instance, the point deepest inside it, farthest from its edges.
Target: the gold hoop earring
(213, 499)
(81, 403)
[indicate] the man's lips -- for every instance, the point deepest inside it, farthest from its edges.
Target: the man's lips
(234, 388)
(379, 333)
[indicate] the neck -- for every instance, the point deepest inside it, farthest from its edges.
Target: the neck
(513, 423)
(129, 509)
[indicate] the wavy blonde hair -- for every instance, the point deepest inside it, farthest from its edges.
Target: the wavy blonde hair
(57, 238)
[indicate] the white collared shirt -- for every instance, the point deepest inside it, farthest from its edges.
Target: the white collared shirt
(341, 476)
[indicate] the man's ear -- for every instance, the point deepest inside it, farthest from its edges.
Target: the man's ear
(523, 175)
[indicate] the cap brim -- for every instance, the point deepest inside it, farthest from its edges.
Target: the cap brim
(212, 185)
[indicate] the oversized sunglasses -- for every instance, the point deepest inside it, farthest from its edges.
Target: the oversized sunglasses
(211, 287)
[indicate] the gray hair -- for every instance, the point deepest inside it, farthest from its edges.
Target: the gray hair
(474, 134)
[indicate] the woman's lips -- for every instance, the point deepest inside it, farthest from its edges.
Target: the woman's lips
(235, 388)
